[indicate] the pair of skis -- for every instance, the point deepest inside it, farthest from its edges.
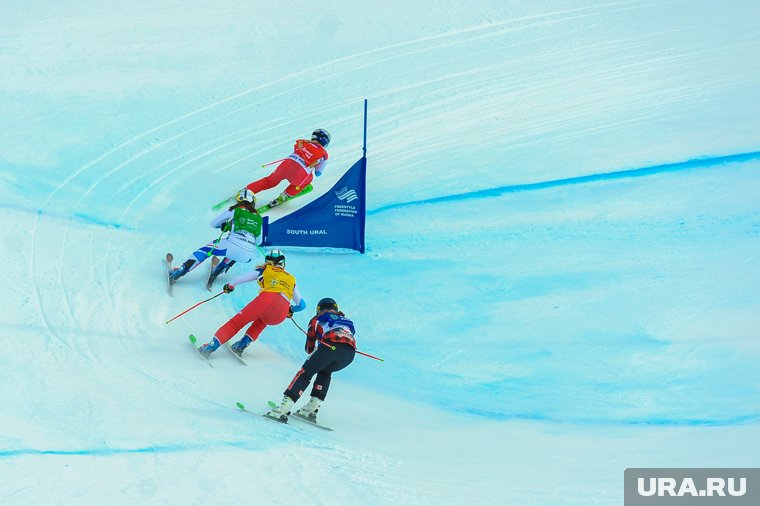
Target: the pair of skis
(240, 406)
(170, 269)
(194, 342)
(278, 201)
(273, 405)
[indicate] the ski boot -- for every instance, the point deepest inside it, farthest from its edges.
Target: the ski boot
(239, 347)
(309, 410)
(281, 412)
(283, 197)
(178, 272)
(220, 269)
(210, 347)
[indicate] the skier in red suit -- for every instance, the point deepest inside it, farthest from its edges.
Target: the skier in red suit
(309, 158)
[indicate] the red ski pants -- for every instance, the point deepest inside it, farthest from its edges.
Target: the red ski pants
(288, 169)
(268, 308)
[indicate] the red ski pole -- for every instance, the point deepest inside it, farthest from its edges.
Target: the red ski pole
(198, 304)
(272, 163)
(370, 356)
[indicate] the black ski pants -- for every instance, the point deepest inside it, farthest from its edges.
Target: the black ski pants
(323, 362)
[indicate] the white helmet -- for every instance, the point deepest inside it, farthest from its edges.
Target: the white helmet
(246, 195)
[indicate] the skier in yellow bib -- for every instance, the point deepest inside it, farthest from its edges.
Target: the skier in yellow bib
(270, 307)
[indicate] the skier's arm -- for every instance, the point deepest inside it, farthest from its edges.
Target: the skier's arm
(320, 167)
(313, 334)
(246, 277)
(222, 218)
(298, 303)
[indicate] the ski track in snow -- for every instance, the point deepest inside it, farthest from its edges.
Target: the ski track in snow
(459, 37)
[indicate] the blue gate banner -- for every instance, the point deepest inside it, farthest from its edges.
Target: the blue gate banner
(334, 220)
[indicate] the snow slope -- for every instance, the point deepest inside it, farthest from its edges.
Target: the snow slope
(562, 265)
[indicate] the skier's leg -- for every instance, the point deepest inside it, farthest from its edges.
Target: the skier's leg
(223, 267)
(273, 179)
(235, 253)
(276, 311)
(197, 258)
(272, 310)
(186, 267)
(299, 383)
(209, 250)
(246, 315)
(254, 331)
(342, 356)
(298, 183)
(315, 363)
(321, 385)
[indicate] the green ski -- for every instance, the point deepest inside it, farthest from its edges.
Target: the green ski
(227, 201)
(194, 341)
(281, 200)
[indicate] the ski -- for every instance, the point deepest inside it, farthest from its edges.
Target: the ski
(227, 345)
(293, 415)
(211, 277)
(223, 203)
(193, 341)
(170, 283)
(280, 200)
(315, 424)
(273, 405)
(241, 407)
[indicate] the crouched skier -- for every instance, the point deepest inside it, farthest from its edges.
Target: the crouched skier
(244, 225)
(270, 307)
(331, 328)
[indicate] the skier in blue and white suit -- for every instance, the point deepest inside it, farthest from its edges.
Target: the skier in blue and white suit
(244, 225)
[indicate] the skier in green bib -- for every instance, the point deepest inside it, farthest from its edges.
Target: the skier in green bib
(244, 225)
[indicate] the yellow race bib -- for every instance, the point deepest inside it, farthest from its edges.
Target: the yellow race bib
(275, 279)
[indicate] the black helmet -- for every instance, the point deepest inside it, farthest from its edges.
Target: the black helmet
(276, 257)
(327, 303)
(321, 136)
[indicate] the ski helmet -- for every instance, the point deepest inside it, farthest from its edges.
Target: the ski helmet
(321, 136)
(276, 257)
(246, 195)
(326, 303)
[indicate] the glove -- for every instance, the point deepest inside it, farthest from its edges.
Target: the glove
(226, 226)
(228, 288)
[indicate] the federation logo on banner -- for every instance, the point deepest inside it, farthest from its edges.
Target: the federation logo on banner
(347, 195)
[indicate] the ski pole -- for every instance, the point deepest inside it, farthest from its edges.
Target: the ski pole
(215, 243)
(308, 174)
(276, 161)
(370, 356)
(198, 304)
(297, 325)
(333, 347)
